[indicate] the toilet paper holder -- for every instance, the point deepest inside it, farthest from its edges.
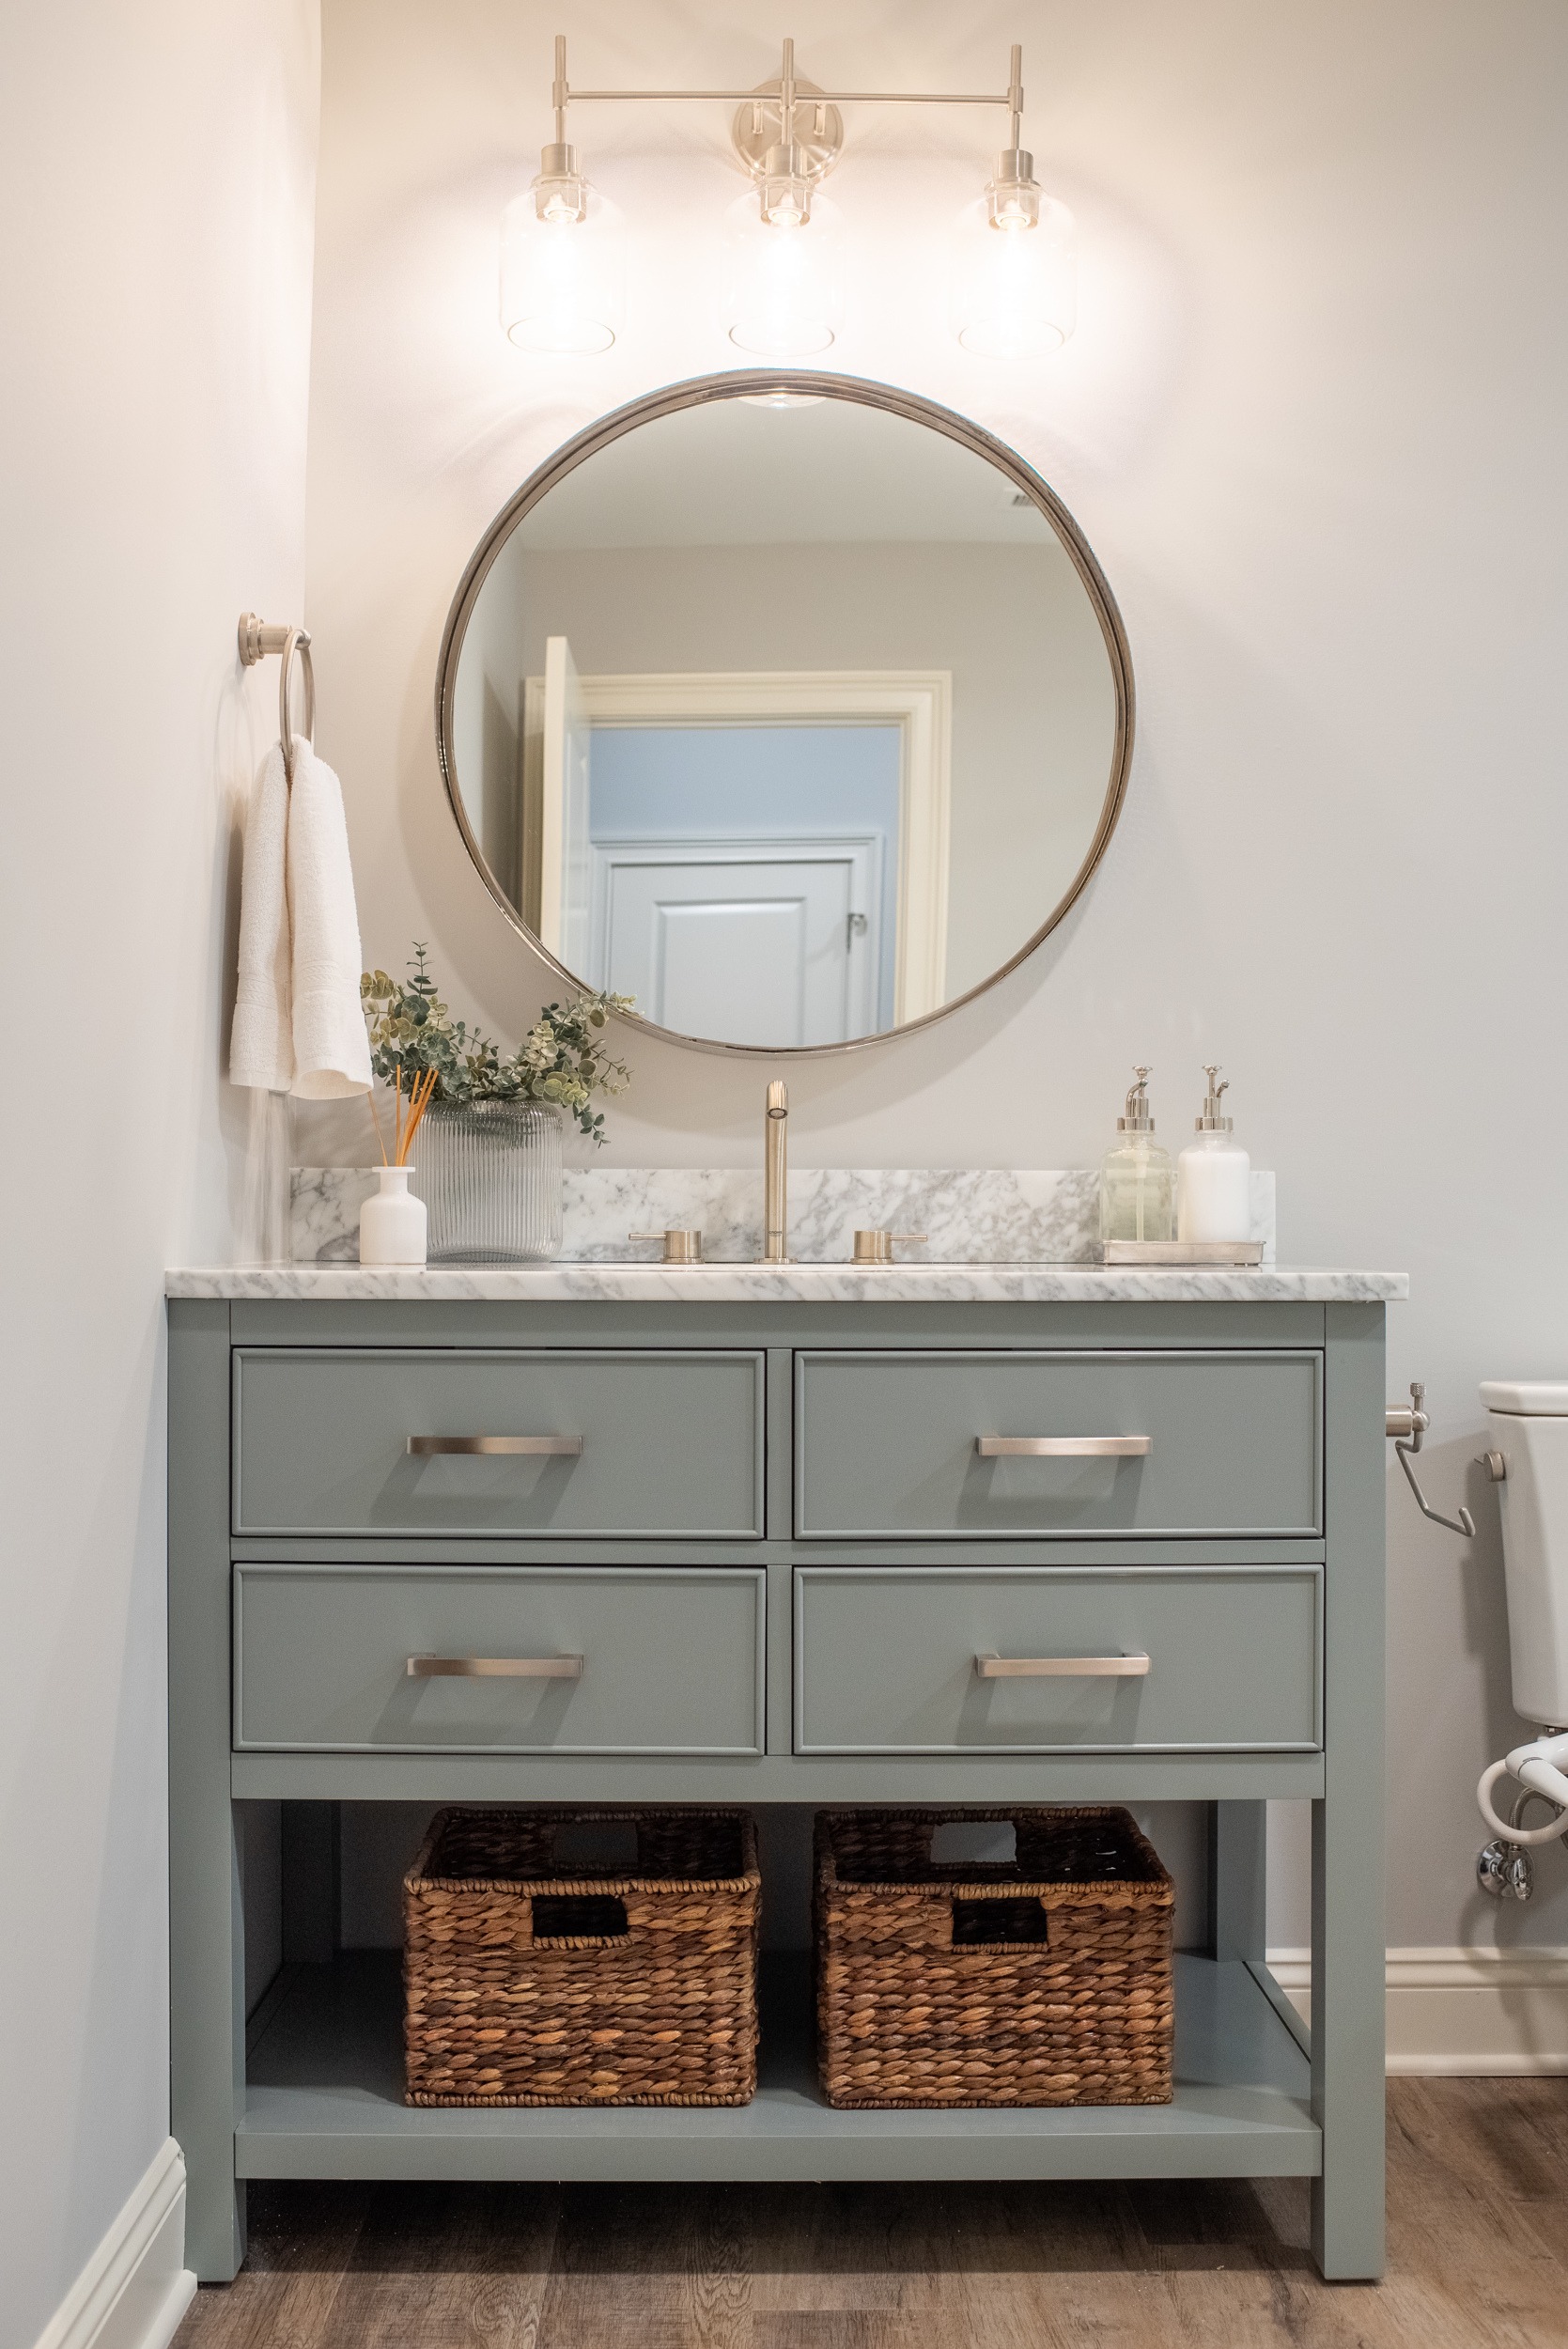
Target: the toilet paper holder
(1406, 1426)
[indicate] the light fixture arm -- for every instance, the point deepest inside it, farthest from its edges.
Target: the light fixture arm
(786, 94)
(814, 154)
(560, 93)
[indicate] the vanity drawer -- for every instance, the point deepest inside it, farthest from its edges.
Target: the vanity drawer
(645, 1659)
(889, 1445)
(646, 1443)
(892, 1659)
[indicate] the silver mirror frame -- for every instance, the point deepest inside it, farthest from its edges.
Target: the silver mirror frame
(697, 392)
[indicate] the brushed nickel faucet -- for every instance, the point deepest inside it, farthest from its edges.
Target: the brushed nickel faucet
(775, 1242)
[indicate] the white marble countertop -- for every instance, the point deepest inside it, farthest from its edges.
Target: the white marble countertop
(804, 1284)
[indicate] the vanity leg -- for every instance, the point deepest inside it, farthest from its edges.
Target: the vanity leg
(207, 1941)
(1238, 1835)
(1348, 1930)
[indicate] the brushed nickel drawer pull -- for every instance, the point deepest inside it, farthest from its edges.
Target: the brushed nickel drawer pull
(423, 1446)
(1063, 1447)
(1062, 1667)
(495, 1668)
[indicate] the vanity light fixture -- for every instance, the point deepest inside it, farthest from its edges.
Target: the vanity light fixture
(1012, 282)
(562, 251)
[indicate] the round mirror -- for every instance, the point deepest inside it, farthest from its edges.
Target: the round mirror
(796, 710)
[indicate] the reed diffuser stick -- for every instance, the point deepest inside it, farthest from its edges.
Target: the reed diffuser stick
(419, 1102)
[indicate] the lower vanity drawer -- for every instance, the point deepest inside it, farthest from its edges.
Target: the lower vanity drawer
(540, 1659)
(1057, 1660)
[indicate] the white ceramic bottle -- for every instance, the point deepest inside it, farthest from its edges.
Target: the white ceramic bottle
(1214, 1175)
(393, 1222)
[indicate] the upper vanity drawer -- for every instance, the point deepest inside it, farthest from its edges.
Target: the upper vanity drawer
(1027, 1446)
(396, 1441)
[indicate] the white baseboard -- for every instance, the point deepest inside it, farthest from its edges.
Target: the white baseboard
(1464, 2012)
(136, 2287)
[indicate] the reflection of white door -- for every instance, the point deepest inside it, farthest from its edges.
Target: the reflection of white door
(763, 943)
(918, 702)
(564, 809)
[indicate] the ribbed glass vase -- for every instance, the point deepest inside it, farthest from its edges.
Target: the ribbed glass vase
(490, 1173)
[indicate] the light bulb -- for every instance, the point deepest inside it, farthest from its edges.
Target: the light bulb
(563, 262)
(782, 294)
(1015, 208)
(784, 189)
(789, 206)
(1013, 293)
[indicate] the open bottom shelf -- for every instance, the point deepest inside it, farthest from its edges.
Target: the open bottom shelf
(326, 2086)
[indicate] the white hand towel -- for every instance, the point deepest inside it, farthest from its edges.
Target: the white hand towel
(332, 1051)
(298, 1025)
(261, 1047)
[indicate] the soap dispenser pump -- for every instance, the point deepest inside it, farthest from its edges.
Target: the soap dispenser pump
(1136, 1189)
(1214, 1174)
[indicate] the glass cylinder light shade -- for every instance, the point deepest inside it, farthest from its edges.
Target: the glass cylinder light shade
(563, 271)
(782, 295)
(1013, 288)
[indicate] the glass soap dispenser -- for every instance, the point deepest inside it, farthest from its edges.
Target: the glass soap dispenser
(1214, 1174)
(1137, 1186)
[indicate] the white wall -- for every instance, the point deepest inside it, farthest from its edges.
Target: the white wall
(1311, 424)
(156, 175)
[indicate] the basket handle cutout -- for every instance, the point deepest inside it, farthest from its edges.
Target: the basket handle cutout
(974, 1844)
(578, 1916)
(990, 1924)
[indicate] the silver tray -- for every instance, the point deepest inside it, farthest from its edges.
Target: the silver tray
(1231, 1252)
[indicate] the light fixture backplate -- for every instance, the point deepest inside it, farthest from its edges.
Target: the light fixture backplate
(758, 128)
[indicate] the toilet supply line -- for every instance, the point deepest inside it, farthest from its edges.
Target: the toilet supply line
(1539, 1769)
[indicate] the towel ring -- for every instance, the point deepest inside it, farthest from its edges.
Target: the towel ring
(256, 640)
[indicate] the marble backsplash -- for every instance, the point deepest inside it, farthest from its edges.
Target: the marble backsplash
(970, 1215)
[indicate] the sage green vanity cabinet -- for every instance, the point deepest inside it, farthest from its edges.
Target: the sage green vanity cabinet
(746, 1546)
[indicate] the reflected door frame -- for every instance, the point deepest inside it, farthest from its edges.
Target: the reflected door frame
(919, 702)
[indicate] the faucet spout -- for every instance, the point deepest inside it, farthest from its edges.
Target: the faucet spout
(775, 1244)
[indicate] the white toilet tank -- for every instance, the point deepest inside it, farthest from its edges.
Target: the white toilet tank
(1528, 1426)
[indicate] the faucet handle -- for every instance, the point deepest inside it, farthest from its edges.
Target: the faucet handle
(876, 1247)
(679, 1245)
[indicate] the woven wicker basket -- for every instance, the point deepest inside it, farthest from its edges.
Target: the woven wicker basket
(1044, 1980)
(528, 1981)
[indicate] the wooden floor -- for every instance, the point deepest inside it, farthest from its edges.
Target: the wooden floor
(1478, 2225)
